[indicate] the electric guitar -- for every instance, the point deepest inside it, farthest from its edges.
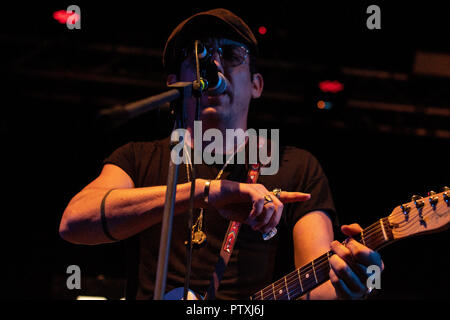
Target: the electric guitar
(420, 216)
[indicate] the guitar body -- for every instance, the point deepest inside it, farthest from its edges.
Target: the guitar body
(178, 294)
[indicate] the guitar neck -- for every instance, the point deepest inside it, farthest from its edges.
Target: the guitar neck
(306, 278)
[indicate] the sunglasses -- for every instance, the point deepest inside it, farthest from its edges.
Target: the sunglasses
(232, 54)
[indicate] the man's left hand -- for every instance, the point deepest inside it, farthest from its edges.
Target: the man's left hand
(348, 272)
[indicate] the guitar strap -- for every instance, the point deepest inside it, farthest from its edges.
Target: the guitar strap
(228, 243)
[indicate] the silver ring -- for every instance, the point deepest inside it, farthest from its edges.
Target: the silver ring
(269, 235)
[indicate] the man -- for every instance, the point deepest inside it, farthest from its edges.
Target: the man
(126, 200)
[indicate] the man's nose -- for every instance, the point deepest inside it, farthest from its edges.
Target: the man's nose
(217, 59)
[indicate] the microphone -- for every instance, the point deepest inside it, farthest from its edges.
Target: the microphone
(215, 81)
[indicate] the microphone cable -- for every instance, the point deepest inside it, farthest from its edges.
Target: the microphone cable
(198, 86)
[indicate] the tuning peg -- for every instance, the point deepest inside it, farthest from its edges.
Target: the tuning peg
(446, 195)
(431, 193)
(416, 199)
(433, 199)
(405, 209)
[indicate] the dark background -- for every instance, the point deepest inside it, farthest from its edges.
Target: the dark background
(386, 137)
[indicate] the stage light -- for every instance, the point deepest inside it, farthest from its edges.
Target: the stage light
(61, 16)
(262, 30)
(324, 105)
(331, 86)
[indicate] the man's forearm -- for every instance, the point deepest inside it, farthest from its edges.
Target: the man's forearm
(127, 211)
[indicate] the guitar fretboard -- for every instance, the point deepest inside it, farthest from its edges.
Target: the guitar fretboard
(306, 278)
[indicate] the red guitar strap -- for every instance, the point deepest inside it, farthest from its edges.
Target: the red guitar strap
(228, 243)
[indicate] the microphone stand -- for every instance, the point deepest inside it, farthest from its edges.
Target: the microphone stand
(179, 107)
(118, 115)
(191, 89)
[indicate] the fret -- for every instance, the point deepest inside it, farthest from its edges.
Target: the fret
(273, 289)
(384, 231)
(322, 268)
(314, 271)
(387, 228)
(377, 234)
(287, 288)
(261, 295)
(362, 238)
(294, 286)
(307, 277)
(300, 279)
(278, 291)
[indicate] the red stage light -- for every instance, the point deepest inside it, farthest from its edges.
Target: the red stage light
(262, 30)
(331, 86)
(61, 16)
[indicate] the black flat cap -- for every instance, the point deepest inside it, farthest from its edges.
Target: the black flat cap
(213, 23)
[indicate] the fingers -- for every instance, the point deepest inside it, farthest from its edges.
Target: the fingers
(265, 222)
(287, 197)
(352, 277)
(363, 254)
(342, 291)
(265, 215)
(351, 229)
(348, 267)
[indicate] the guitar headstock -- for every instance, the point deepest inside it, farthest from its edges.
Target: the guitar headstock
(421, 215)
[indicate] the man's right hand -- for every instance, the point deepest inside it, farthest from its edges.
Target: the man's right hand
(245, 202)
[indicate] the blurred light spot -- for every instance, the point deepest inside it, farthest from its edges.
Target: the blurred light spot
(262, 30)
(61, 16)
(331, 86)
(324, 105)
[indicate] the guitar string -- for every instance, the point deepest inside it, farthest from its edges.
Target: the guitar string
(306, 269)
(410, 223)
(322, 273)
(318, 266)
(319, 262)
(269, 292)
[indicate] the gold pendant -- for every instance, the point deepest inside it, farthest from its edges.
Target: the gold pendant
(199, 237)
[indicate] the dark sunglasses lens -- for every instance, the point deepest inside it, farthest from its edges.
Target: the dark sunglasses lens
(234, 55)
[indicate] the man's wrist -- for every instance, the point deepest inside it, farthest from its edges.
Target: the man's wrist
(200, 193)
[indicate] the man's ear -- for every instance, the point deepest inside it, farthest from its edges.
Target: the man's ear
(257, 85)
(171, 78)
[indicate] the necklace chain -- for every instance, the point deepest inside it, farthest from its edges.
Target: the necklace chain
(197, 235)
